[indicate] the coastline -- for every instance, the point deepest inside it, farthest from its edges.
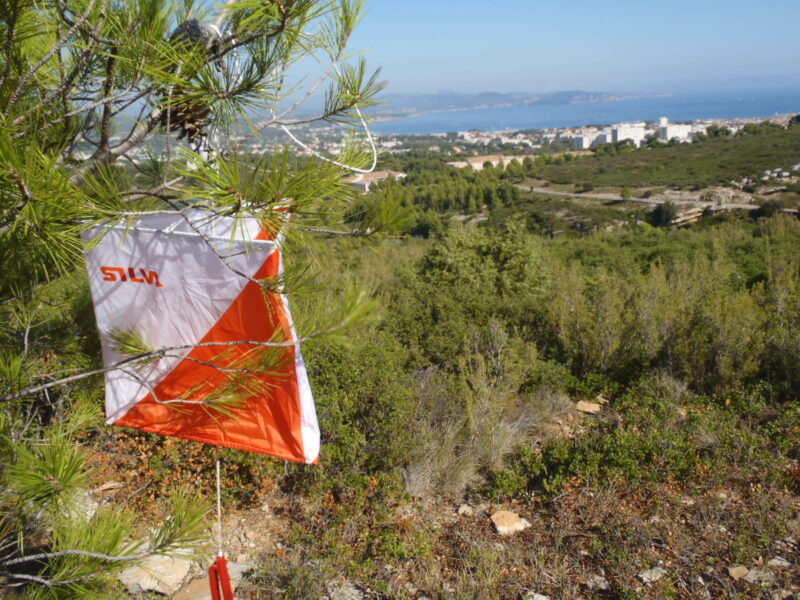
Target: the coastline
(412, 114)
(680, 108)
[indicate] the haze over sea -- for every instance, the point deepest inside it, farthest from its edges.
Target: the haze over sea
(678, 107)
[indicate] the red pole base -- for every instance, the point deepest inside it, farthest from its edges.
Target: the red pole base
(220, 580)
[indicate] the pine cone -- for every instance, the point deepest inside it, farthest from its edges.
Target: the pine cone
(189, 119)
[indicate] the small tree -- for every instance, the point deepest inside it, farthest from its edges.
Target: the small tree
(663, 214)
(714, 131)
(97, 102)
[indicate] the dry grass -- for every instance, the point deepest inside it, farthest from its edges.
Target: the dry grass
(468, 424)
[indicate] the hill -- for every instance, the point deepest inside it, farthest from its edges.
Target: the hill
(712, 162)
(447, 101)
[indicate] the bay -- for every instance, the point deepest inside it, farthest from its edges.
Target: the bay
(678, 107)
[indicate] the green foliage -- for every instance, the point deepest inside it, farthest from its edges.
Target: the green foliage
(468, 277)
(759, 128)
(663, 214)
(70, 72)
(364, 407)
(688, 318)
(663, 434)
(45, 498)
(383, 211)
(717, 131)
(432, 186)
(717, 161)
(48, 475)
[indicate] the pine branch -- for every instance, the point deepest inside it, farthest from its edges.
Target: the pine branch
(24, 191)
(84, 553)
(11, 25)
(46, 58)
(23, 578)
(90, 33)
(86, 108)
(68, 83)
(161, 353)
(333, 231)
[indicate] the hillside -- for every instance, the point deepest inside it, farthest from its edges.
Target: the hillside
(550, 398)
(713, 162)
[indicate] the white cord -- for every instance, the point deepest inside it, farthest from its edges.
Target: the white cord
(370, 139)
(219, 511)
(337, 163)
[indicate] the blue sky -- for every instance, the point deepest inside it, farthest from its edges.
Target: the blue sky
(427, 46)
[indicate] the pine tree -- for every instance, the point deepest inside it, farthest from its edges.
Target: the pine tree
(112, 109)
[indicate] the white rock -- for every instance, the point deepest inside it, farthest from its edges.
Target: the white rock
(652, 575)
(109, 486)
(590, 408)
(738, 571)
(465, 510)
(237, 570)
(598, 582)
(162, 574)
(84, 505)
(535, 596)
(508, 523)
(779, 563)
(343, 590)
(759, 576)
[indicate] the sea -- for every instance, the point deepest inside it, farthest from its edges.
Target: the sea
(677, 107)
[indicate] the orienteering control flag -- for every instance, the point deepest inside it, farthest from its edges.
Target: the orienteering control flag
(165, 280)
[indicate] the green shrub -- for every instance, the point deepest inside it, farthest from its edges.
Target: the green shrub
(468, 277)
(662, 434)
(364, 404)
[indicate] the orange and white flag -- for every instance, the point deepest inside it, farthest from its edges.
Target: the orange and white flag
(188, 289)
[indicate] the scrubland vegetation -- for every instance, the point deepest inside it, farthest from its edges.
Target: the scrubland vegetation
(714, 161)
(461, 389)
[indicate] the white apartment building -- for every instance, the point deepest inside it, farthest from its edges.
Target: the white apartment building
(668, 131)
(610, 135)
(635, 132)
(584, 142)
(606, 136)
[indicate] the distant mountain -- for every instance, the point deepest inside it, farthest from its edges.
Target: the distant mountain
(407, 104)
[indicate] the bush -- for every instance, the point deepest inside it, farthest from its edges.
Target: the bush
(364, 406)
(469, 276)
(662, 434)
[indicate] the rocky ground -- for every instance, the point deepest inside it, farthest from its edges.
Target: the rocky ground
(605, 540)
